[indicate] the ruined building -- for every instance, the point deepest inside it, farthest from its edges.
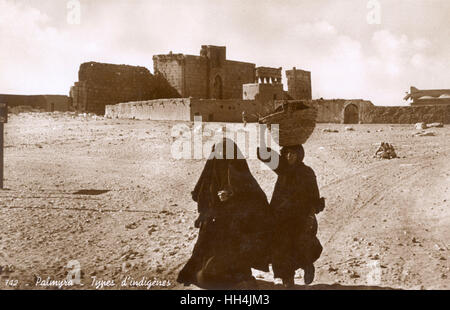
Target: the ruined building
(428, 96)
(100, 84)
(267, 85)
(48, 103)
(299, 84)
(207, 76)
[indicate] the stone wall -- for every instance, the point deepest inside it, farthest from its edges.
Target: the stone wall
(171, 68)
(263, 92)
(230, 110)
(299, 84)
(226, 110)
(101, 84)
(332, 110)
(406, 114)
(431, 101)
(158, 109)
(47, 103)
(196, 77)
(206, 76)
(235, 75)
(217, 110)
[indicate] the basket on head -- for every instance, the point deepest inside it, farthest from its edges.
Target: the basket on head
(296, 120)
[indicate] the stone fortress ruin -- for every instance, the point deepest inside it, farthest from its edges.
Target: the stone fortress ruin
(183, 86)
(218, 89)
(428, 97)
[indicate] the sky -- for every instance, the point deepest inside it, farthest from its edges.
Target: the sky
(355, 49)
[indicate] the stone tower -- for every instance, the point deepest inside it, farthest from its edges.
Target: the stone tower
(267, 86)
(299, 84)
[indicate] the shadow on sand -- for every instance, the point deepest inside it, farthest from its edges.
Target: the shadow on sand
(265, 285)
(90, 192)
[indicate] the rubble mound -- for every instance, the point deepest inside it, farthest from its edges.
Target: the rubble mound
(436, 125)
(386, 151)
(421, 125)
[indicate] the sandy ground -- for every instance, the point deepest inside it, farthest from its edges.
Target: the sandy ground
(108, 194)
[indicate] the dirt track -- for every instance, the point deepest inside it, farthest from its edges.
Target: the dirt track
(108, 194)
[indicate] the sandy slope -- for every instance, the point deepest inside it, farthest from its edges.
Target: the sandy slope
(108, 194)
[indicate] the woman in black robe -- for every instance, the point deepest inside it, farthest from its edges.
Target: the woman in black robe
(293, 206)
(233, 221)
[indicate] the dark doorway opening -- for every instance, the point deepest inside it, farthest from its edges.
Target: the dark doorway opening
(218, 88)
(351, 114)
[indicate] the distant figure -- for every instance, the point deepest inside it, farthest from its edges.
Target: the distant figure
(233, 221)
(244, 118)
(294, 203)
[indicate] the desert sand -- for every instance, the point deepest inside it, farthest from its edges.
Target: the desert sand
(108, 194)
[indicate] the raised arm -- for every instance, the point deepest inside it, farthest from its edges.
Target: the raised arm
(270, 157)
(318, 203)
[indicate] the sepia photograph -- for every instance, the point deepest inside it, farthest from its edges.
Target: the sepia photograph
(225, 145)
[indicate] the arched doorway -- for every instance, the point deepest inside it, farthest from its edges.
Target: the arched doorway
(217, 88)
(351, 114)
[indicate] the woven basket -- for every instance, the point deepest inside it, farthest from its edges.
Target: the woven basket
(296, 120)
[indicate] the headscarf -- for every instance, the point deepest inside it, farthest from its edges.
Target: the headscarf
(295, 148)
(218, 174)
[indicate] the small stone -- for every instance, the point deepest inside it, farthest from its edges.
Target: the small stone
(332, 269)
(420, 126)
(329, 130)
(126, 265)
(437, 125)
(133, 225)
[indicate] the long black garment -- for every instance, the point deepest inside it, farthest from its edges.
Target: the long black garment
(293, 206)
(234, 235)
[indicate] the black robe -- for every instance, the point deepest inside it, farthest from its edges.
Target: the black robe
(293, 206)
(234, 235)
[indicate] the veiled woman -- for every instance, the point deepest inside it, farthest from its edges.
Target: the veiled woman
(293, 206)
(233, 222)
